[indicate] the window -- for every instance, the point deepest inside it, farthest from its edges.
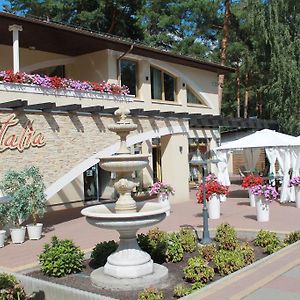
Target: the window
(192, 98)
(52, 71)
(128, 75)
(162, 85)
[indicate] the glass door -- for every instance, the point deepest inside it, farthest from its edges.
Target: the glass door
(91, 184)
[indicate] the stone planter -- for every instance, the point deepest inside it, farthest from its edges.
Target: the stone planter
(17, 235)
(164, 199)
(262, 209)
(34, 231)
(297, 196)
(2, 238)
(251, 198)
(214, 207)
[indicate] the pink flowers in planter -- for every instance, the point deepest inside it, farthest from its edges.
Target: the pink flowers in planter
(267, 191)
(295, 181)
(161, 188)
(56, 82)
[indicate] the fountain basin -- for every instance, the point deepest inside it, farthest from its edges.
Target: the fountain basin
(124, 163)
(104, 216)
(122, 127)
(129, 261)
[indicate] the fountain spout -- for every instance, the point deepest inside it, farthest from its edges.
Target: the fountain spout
(123, 163)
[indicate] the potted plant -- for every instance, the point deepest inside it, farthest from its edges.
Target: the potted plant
(295, 182)
(213, 190)
(163, 190)
(17, 212)
(35, 191)
(250, 181)
(26, 188)
(265, 194)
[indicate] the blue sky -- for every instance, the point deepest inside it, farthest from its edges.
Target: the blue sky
(1, 4)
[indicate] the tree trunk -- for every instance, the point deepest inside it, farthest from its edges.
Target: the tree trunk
(238, 92)
(223, 49)
(246, 99)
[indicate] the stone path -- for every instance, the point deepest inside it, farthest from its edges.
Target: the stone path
(236, 211)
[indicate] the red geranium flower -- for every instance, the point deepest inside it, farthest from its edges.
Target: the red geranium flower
(252, 180)
(211, 187)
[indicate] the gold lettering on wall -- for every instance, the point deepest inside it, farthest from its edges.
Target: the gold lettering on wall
(28, 137)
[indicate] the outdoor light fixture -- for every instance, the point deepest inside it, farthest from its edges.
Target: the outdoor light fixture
(202, 160)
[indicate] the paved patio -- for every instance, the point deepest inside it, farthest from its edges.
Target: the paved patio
(236, 211)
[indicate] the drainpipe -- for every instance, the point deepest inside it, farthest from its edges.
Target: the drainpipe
(118, 62)
(16, 56)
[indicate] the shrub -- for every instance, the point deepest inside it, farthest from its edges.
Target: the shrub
(229, 261)
(154, 243)
(197, 286)
(247, 252)
(11, 289)
(226, 237)
(197, 270)
(292, 237)
(151, 294)
(188, 239)
(272, 248)
(208, 252)
(60, 258)
(174, 251)
(265, 238)
(101, 252)
(181, 290)
(269, 241)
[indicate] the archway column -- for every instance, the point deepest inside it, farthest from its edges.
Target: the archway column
(16, 50)
(175, 165)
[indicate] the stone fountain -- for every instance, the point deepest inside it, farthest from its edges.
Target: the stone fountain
(129, 267)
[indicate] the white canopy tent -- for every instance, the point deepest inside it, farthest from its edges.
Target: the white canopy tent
(278, 146)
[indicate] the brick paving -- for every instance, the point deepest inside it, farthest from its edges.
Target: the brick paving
(236, 211)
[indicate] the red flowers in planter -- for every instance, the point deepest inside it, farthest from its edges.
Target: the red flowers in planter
(56, 82)
(252, 180)
(211, 187)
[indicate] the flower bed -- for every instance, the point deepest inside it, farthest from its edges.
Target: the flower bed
(55, 82)
(228, 255)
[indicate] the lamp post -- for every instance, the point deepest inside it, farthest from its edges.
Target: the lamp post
(201, 160)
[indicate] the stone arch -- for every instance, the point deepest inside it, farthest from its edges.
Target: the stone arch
(94, 159)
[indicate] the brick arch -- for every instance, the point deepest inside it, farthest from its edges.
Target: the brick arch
(94, 159)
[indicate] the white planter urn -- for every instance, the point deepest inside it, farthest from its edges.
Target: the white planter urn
(223, 198)
(164, 199)
(17, 235)
(34, 231)
(214, 207)
(251, 198)
(262, 209)
(297, 196)
(2, 238)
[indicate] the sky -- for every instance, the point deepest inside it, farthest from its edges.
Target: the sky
(1, 4)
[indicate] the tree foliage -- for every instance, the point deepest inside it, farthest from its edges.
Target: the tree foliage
(263, 42)
(118, 17)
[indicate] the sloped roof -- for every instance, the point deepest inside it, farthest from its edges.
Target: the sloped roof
(57, 38)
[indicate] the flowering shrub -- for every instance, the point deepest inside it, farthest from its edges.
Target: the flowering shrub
(295, 181)
(161, 188)
(56, 82)
(212, 186)
(267, 191)
(251, 180)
